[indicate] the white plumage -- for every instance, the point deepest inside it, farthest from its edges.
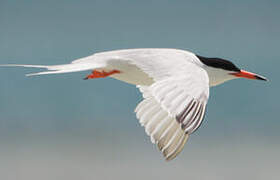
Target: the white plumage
(174, 83)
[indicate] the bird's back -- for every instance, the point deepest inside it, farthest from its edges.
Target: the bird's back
(144, 66)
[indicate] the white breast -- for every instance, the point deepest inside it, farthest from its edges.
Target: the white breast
(130, 73)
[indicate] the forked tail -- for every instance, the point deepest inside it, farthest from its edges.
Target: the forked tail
(57, 69)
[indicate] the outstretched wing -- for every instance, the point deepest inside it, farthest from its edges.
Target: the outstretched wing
(175, 91)
(173, 108)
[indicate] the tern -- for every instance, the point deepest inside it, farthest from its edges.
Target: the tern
(174, 84)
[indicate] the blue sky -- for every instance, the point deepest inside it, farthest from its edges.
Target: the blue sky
(65, 106)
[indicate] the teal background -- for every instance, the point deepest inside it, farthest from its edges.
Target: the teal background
(61, 127)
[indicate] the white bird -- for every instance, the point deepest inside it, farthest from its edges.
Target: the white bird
(174, 83)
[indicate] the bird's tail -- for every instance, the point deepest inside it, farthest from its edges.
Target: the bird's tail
(57, 69)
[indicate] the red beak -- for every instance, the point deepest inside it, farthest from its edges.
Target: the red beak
(249, 75)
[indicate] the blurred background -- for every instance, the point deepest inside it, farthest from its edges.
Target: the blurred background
(61, 127)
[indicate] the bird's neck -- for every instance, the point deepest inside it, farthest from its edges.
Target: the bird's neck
(217, 76)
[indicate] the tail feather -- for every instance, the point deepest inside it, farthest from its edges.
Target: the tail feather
(23, 65)
(57, 69)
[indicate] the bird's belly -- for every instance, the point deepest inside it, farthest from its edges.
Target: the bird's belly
(131, 74)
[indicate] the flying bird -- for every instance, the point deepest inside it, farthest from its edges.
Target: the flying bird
(174, 83)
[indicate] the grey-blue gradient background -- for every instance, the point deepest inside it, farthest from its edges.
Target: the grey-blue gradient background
(61, 127)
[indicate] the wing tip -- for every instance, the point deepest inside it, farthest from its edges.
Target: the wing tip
(172, 155)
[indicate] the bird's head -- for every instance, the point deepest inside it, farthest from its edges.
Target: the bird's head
(221, 70)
